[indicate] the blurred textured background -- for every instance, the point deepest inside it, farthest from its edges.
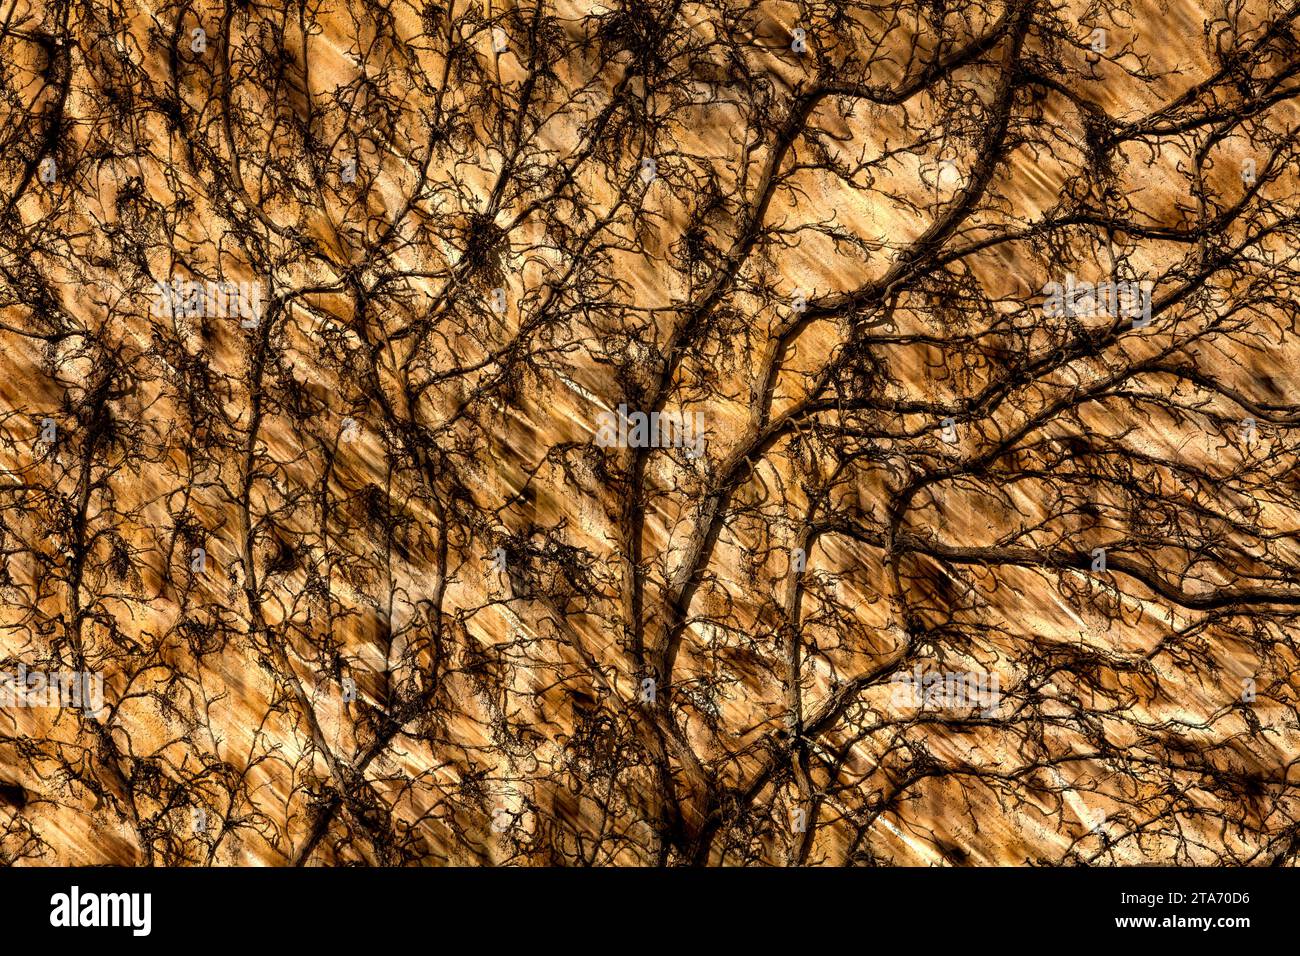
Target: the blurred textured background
(362, 583)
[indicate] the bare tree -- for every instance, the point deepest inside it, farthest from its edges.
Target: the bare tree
(652, 433)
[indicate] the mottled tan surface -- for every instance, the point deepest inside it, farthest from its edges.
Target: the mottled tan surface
(372, 558)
